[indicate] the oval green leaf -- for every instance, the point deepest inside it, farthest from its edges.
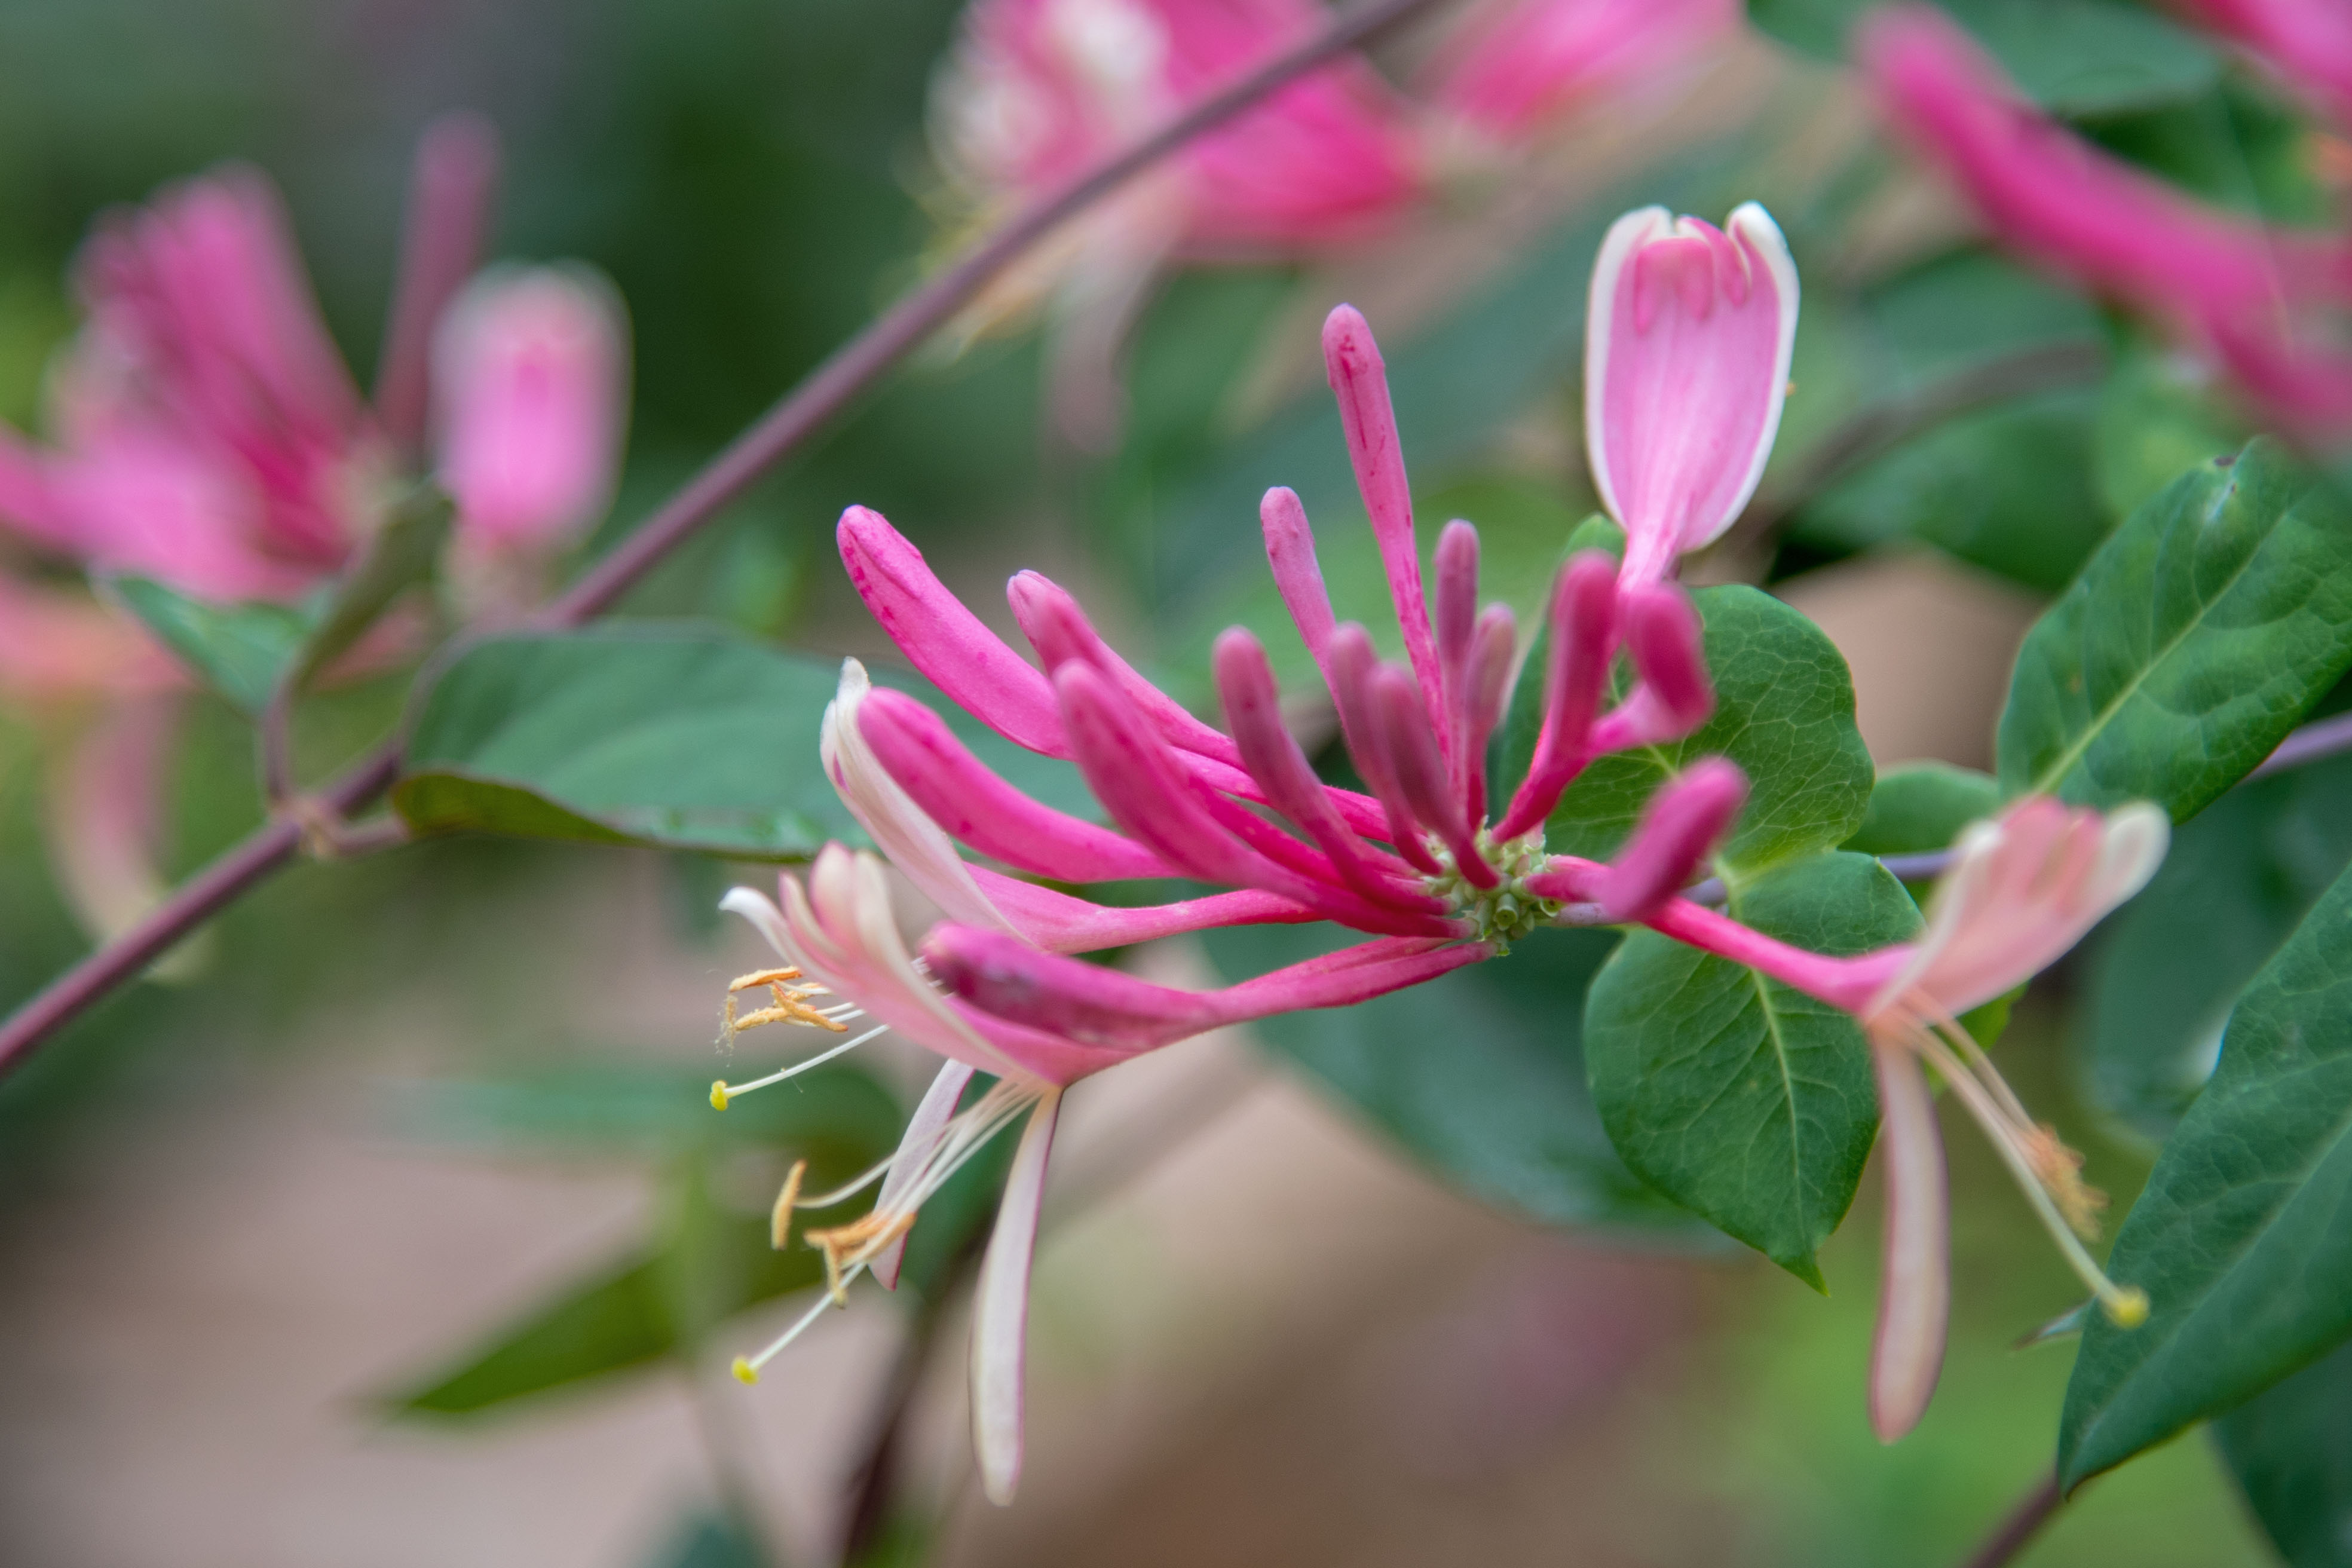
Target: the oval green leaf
(2190, 645)
(2241, 1238)
(1747, 1102)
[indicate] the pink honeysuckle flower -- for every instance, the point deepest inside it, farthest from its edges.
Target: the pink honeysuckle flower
(2249, 293)
(1038, 91)
(1687, 354)
(1512, 66)
(2021, 890)
(2307, 42)
(1420, 865)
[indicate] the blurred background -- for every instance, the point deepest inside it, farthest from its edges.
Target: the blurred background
(394, 1229)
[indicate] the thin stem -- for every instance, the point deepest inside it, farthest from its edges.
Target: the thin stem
(906, 325)
(873, 1485)
(2025, 1520)
(852, 369)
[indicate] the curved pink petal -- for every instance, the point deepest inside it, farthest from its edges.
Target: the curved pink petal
(923, 1128)
(1510, 67)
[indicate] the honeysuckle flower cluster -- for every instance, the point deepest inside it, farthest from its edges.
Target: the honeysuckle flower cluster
(204, 431)
(2269, 302)
(1037, 91)
(1430, 864)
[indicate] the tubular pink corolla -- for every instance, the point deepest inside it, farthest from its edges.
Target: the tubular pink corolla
(1583, 634)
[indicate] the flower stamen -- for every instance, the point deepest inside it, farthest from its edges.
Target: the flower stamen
(721, 1091)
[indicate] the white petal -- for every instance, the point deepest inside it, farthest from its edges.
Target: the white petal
(1750, 222)
(999, 1321)
(761, 910)
(1625, 237)
(1914, 1275)
(938, 1103)
(904, 833)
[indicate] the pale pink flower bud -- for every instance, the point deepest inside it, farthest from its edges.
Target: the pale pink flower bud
(531, 372)
(1686, 370)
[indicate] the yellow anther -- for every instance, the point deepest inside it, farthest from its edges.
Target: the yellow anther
(745, 1372)
(779, 1219)
(2128, 1307)
(762, 977)
(2060, 1170)
(719, 1094)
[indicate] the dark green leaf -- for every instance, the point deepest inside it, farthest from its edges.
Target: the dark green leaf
(2191, 644)
(1746, 1102)
(2169, 966)
(2241, 1238)
(2072, 56)
(1479, 1075)
(2289, 1447)
(237, 650)
(2006, 489)
(1784, 711)
(1921, 807)
(677, 736)
(2160, 414)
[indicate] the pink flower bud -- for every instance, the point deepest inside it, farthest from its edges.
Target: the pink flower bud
(530, 381)
(1676, 833)
(1512, 66)
(1686, 370)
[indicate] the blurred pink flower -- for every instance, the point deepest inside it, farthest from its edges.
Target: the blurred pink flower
(2249, 293)
(1415, 865)
(1038, 91)
(2021, 890)
(531, 371)
(1511, 67)
(207, 434)
(1690, 329)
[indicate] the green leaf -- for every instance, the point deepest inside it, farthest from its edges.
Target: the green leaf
(2160, 414)
(1479, 1075)
(679, 736)
(1784, 711)
(2190, 645)
(2006, 489)
(1922, 806)
(2168, 967)
(2289, 1447)
(2072, 56)
(2240, 1238)
(237, 650)
(1747, 1102)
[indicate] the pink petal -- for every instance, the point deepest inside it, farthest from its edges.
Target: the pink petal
(1290, 551)
(932, 1114)
(2309, 42)
(1245, 684)
(1060, 923)
(1676, 694)
(1420, 769)
(999, 1311)
(1485, 693)
(1352, 663)
(1058, 630)
(1678, 830)
(529, 371)
(1090, 1004)
(900, 828)
(960, 793)
(944, 640)
(1583, 637)
(1360, 380)
(1686, 370)
(1907, 1354)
